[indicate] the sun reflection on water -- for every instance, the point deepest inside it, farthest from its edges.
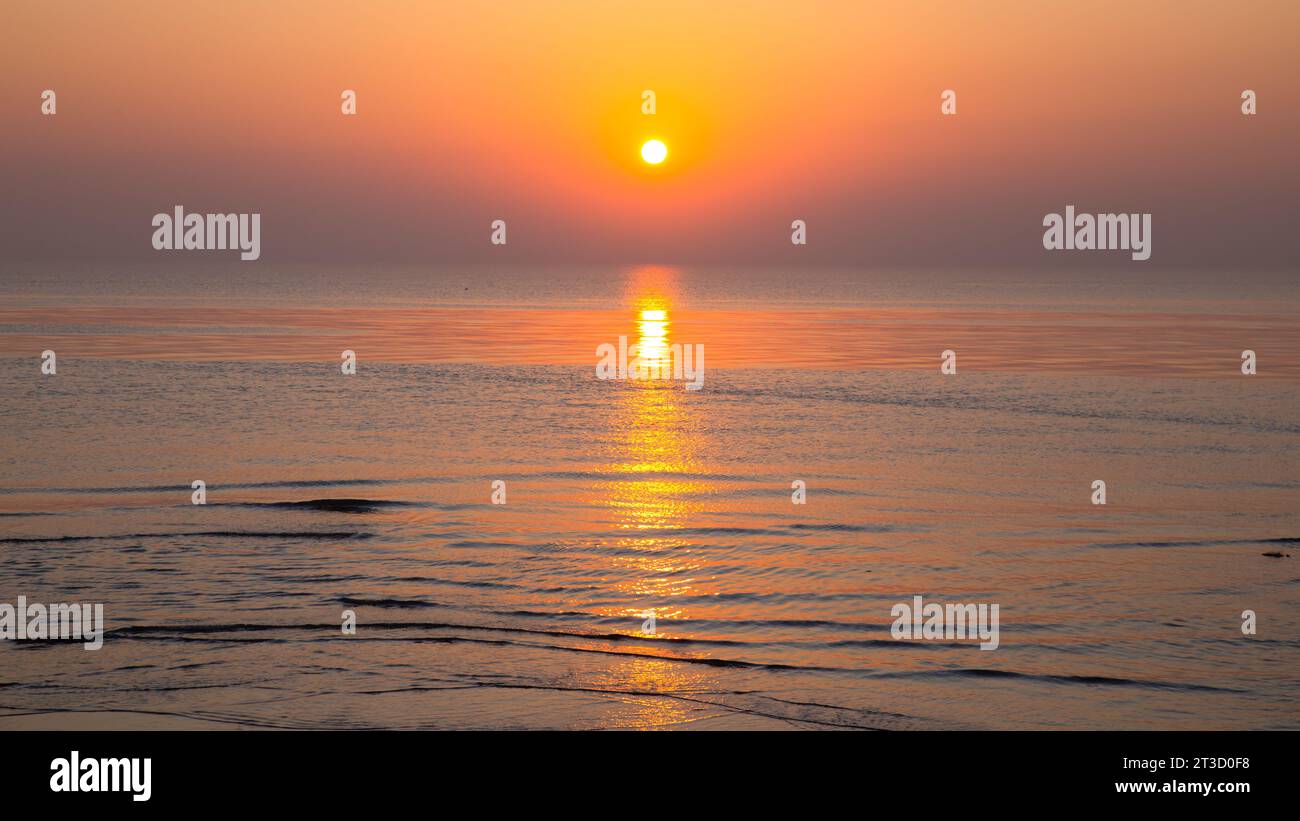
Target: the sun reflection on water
(646, 676)
(655, 459)
(657, 439)
(652, 340)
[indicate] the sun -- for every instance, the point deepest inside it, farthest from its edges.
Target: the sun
(654, 152)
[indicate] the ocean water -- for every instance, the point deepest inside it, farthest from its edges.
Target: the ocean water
(372, 493)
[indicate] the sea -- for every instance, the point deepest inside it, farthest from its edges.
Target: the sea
(473, 530)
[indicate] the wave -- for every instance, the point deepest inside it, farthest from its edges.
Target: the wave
(290, 483)
(581, 475)
(1201, 542)
(329, 505)
(674, 641)
(223, 633)
(1100, 681)
(386, 603)
(207, 632)
(206, 534)
(161, 631)
(741, 702)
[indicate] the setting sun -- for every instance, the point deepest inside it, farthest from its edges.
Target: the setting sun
(654, 152)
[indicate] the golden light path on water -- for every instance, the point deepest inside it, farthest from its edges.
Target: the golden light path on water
(657, 439)
(653, 459)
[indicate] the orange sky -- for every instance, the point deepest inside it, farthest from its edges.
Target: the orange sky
(530, 112)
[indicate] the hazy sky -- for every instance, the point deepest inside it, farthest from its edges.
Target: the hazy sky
(531, 112)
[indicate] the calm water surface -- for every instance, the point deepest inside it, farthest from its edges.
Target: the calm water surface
(371, 493)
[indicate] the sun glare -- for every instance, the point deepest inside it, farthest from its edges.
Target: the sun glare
(654, 152)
